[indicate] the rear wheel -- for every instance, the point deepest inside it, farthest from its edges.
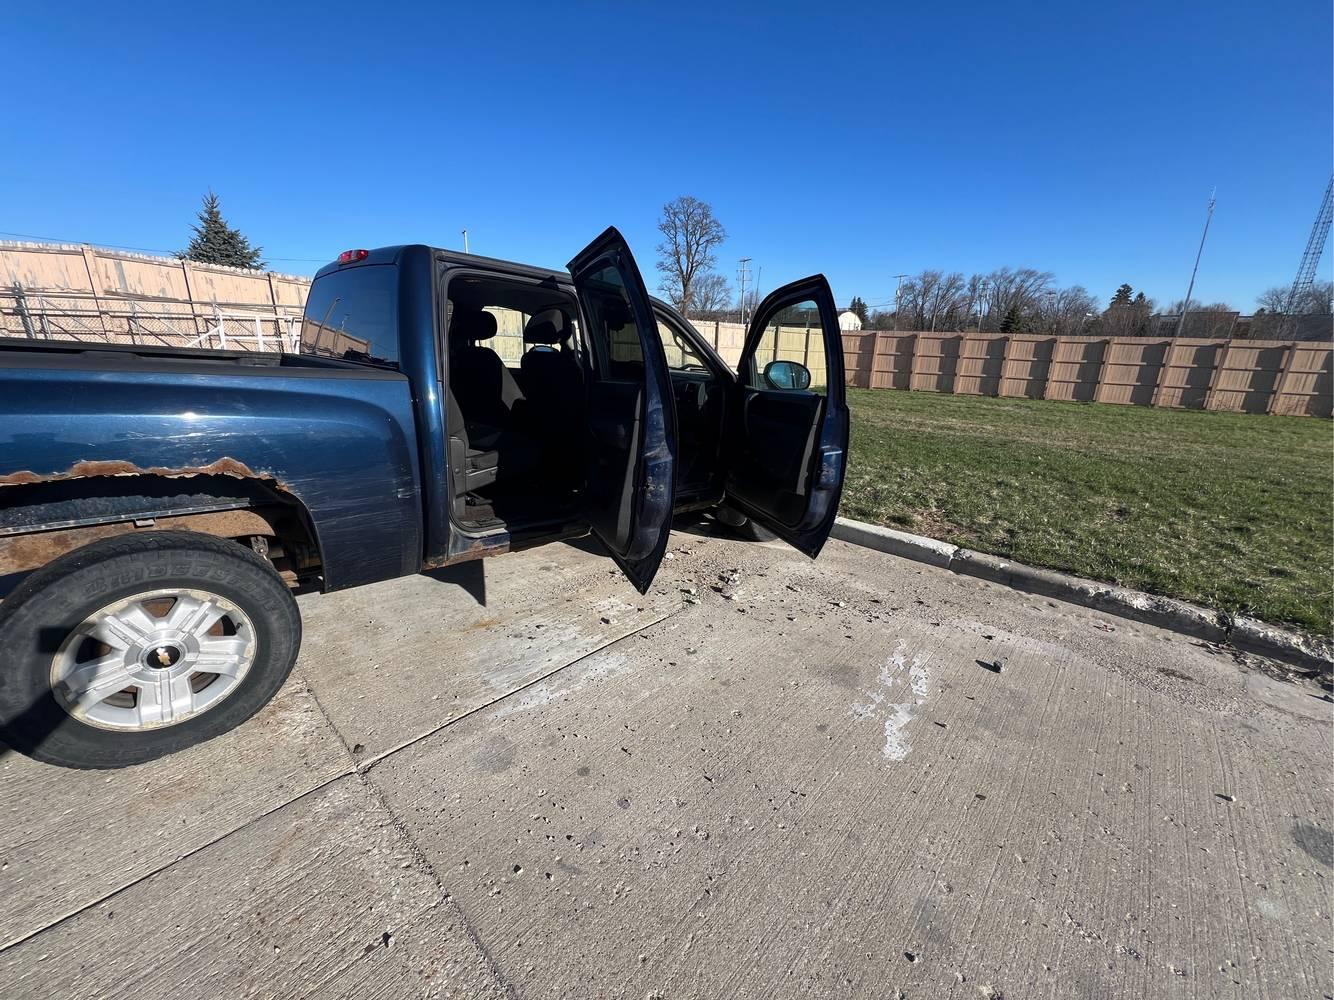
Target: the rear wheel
(136, 647)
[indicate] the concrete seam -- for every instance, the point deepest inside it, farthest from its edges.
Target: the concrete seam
(406, 836)
(372, 762)
(401, 827)
(112, 894)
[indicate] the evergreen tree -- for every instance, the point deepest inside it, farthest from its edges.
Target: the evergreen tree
(858, 307)
(1013, 321)
(215, 242)
(1122, 296)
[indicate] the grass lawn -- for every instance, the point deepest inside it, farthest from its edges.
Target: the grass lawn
(1229, 510)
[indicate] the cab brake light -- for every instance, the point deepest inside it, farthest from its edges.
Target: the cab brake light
(352, 256)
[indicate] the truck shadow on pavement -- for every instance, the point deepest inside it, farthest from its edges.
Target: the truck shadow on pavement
(468, 576)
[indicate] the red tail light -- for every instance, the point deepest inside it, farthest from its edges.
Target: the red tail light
(352, 256)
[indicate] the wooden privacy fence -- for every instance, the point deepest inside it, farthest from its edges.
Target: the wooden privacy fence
(1244, 376)
(59, 291)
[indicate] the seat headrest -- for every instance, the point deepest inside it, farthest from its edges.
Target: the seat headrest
(549, 327)
(473, 325)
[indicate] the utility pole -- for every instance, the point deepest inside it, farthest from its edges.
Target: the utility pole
(465, 241)
(1185, 306)
(743, 276)
(981, 301)
(898, 292)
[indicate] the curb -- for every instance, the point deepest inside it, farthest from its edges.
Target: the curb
(896, 543)
(1247, 634)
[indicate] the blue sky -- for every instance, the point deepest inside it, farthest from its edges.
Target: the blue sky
(861, 141)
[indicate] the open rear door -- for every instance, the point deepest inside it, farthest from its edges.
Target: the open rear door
(631, 420)
(787, 436)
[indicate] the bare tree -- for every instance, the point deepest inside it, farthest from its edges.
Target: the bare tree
(973, 306)
(1318, 300)
(1271, 320)
(1016, 293)
(1127, 319)
(710, 295)
(1071, 309)
(944, 306)
(1213, 321)
(1273, 300)
(691, 234)
(931, 300)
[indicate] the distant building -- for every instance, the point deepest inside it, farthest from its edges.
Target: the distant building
(849, 320)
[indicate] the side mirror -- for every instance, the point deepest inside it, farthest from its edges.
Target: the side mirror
(787, 375)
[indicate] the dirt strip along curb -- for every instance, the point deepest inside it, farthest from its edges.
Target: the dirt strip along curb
(1311, 653)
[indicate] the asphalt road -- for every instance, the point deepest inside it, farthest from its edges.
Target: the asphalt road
(767, 778)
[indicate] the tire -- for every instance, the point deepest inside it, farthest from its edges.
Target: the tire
(753, 532)
(155, 595)
(741, 525)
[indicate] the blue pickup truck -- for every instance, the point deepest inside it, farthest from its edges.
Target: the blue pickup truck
(159, 507)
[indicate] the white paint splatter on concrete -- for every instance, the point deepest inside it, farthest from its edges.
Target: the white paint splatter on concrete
(895, 673)
(565, 683)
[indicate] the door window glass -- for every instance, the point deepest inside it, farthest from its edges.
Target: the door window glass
(793, 335)
(611, 319)
(681, 353)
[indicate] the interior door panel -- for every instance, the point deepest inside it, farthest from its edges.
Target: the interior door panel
(787, 447)
(615, 428)
(701, 407)
(774, 469)
(631, 417)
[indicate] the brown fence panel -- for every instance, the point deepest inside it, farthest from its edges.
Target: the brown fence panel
(979, 367)
(1027, 365)
(1248, 376)
(858, 353)
(1184, 380)
(1130, 375)
(935, 364)
(1308, 385)
(1075, 363)
(892, 360)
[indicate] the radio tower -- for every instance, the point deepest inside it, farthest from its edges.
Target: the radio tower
(1315, 246)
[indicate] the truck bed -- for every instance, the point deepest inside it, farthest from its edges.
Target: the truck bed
(19, 352)
(83, 426)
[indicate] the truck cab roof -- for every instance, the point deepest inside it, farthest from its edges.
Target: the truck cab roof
(457, 258)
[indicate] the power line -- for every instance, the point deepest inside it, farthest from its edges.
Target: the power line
(165, 253)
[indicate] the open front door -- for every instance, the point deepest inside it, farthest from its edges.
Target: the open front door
(631, 421)
(787, 437)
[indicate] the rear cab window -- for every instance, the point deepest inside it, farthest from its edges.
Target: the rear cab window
(352, 314)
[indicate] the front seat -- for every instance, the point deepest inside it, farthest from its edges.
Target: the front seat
(485, 447)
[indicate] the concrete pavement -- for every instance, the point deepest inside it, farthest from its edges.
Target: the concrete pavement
(766, 778)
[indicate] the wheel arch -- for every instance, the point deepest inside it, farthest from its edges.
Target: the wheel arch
(41, 521)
